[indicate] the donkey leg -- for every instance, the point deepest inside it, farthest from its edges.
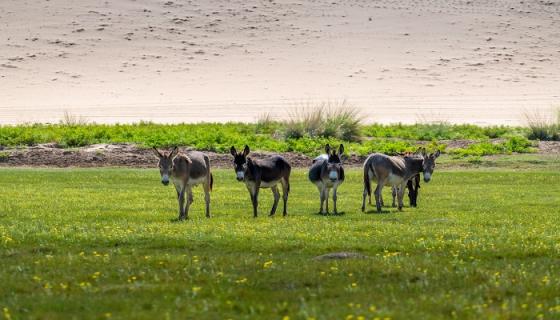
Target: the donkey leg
(188, 193)
(255, 198)
(276, 195)
(285, 191)
(334, 197)
(365, 194)
(378, 191)
(394, 194)
(400, 195)
(320, 188)
(323, 200)
(206, 187)
(411, 195)
(181, 200)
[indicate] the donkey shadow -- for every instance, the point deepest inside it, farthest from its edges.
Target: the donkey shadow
(374, 211)
(331, 214)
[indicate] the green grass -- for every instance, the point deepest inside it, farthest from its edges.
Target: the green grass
(94, 243)
(267, 135)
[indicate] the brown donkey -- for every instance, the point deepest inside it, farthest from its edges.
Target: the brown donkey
(327, 173)
(265, 173)
(186, 170)
(395, 171)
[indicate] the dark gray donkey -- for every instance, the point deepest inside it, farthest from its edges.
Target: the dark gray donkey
(186, 170)
(395, 172)
(327, 173)
(264, 173)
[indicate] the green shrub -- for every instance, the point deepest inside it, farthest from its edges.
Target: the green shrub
(516, 144)
(440, 131)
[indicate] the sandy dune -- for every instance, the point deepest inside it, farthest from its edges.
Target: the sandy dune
(479, 61)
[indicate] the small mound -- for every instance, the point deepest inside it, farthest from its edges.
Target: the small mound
(341, 255)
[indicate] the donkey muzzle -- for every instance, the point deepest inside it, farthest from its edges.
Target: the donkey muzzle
(165, 180)
(333, 175)
(240, 175)
(427, 177)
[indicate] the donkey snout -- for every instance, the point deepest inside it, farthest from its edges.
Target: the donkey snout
(333, 176)
(427, 177)
(240, 176)
(165, 180)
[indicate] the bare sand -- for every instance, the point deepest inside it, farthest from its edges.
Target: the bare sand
(475, 61)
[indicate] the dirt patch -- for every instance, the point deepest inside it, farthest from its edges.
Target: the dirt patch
(129, 155)
(122, 155)
(549, 147)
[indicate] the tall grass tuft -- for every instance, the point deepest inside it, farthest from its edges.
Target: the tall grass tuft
(543, 127)
(73, 120)
(327, 120)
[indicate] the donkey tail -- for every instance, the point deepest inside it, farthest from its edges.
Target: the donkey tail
(367, 182)
(211, 181)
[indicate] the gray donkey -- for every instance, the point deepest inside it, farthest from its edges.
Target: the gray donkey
(395, 172)
(264, 173)
(186, 170)
(327, 173)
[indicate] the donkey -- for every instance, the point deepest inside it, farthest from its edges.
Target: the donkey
(186, 170)
(327, 174)
(395, 171)
(264, 173)
(413, 185)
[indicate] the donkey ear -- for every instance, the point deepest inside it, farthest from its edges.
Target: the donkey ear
(424, 152)
(246, 150)
(157, 153)
(328, 149)
(233, 151)
(341, 149)
(174, 152)
(437, 154)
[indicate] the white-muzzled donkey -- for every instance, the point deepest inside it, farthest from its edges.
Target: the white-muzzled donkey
(327, 173)
(186, 170)
(395, 172)
(264, 173)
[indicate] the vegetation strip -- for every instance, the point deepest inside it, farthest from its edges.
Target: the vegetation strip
(278, 137)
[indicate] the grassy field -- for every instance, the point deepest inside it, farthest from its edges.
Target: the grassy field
(102, 243)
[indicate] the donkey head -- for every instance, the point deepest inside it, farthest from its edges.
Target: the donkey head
(165, 163)
(333, 165)
(429, 164)
(240, 162)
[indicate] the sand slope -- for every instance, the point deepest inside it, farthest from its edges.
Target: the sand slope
(480, 61)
